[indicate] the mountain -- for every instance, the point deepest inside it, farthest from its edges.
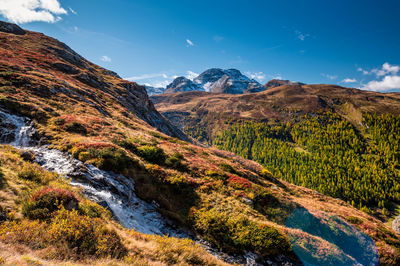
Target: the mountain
(279, 82)
(230, 81)
(182, 84)
(214, 80)
(138, 193)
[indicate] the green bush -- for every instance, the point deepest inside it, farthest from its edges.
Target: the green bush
(217, 175)
(108, 158)
(126, 144)
(113, 159)
(227, 168)
(175, 162)
(93, 210)
(152, 154)
(354, 220)
(35, 173)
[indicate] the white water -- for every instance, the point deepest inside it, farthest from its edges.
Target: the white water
(112, 190)
(109, 189)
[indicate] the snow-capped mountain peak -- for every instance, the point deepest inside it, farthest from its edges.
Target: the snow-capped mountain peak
(218, 81)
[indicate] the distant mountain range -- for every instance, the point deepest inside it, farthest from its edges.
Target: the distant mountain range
(216, 80)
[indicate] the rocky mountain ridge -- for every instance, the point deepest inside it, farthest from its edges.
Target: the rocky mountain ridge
(46, 66)
(216, 80)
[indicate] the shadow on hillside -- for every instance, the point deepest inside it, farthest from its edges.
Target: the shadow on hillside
(175, 199)
(347, 245)
(2, 181)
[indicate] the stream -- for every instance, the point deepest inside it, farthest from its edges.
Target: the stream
(113, 191)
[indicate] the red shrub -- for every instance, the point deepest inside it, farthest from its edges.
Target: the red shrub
(61, 194)
(238, 182)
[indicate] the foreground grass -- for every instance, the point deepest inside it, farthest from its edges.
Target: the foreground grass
(42, 229)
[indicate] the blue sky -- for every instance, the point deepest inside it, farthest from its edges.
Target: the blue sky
(350, 43)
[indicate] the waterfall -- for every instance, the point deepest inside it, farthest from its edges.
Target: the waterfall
(111, 190)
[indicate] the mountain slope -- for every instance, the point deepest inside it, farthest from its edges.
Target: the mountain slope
(279, 82)
(182, 84)
(281, 103)
(339, 141)
(102, 125)
(40, 66)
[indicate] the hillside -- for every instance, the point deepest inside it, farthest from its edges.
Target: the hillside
(339, 141)
(283, 103)
(133, 179)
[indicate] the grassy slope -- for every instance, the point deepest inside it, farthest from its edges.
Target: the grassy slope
(204, 188)
(26, 242)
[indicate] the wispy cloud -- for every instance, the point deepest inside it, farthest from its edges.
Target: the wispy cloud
(328, 76)
(301, 36)
(24, 11)
(365, 72)
(189, 42)
(160, 84)
(147, 76)
(349, 80)
(105, 58)
(191, 75)
(73, 11)
(259, 76)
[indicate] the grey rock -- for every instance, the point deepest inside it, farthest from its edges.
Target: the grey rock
(65, 68)
(11, 28)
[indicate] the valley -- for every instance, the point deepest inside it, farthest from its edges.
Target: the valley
(93, 172)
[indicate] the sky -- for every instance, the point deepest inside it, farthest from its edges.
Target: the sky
(353, 43)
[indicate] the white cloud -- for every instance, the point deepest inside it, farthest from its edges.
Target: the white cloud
(387, 78)
(331, 77)
(147, 76)
(191, 75)
(301, 36)
(189, 42)
(259, 76)
(365, 72)
(386, 69)
(105, 58)
(24, 11)
(349, 80)
(73, 11)
(387, 83)
(161, 84)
